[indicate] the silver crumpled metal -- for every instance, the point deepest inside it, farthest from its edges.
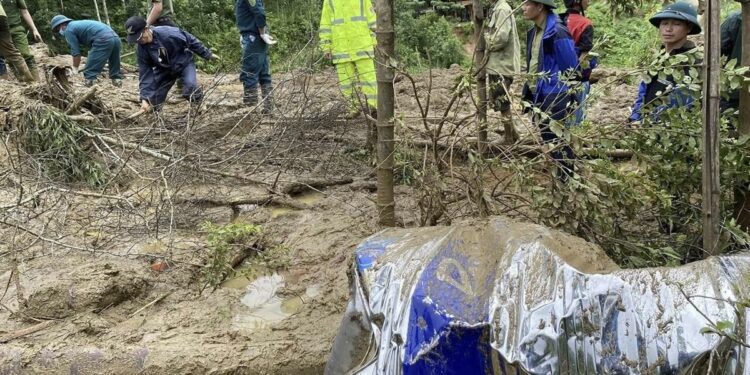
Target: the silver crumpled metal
(500, 297)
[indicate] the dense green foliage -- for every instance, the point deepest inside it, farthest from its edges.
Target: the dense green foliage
(59, 145)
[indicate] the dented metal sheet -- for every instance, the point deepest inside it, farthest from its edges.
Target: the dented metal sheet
(500, 297)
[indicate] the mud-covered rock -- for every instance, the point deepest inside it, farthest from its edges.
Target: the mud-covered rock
(92, 286)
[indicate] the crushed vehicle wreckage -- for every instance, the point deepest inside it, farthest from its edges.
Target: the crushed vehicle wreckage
(500, 297)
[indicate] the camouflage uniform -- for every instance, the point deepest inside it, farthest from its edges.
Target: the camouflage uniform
(9, 51)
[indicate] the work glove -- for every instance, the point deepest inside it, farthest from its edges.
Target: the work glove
(268, 39)
(215, 57)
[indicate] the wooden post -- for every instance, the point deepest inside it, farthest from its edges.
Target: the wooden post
(384, 52)
(742, 193)
(711, 192)
(481, 73)
(96, 6)
(106, 12)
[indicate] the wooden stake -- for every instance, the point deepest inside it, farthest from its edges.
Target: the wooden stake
(741, 193)
(711, 192)
(384, 52)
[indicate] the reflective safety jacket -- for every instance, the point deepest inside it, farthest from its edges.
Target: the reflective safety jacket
(346, 29)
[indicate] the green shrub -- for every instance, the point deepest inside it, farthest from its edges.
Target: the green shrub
(221, 240)
(425, 41)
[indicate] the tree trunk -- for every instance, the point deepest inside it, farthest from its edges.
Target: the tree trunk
(481, 73)
(742, 192)
(106, 11)
(96, 6)
(711, 193)
(385, 73)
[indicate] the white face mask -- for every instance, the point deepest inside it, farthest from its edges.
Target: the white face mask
(61, 32)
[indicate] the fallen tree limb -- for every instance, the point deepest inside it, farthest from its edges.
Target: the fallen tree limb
(497, 147)
(301, 186)
(168, 158)
(150, 304)
(237, 201)
(81, 101)
(25, 332)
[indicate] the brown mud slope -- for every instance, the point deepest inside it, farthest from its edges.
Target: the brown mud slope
(110, 279)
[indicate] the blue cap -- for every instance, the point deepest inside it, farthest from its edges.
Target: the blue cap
(678, 11)
(58, 20)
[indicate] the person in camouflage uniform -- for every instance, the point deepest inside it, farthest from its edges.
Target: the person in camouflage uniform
(161, 14)
(9, 51)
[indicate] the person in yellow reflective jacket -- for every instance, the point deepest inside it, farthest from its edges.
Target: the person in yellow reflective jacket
(347, 38)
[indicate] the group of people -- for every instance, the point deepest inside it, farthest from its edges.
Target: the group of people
(165, 51)
(558, 61)
(558, 64)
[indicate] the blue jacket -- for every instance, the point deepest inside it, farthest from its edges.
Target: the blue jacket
(649, 92)
(86, 33)
(168, 55)
(251, 16)
(556, 55)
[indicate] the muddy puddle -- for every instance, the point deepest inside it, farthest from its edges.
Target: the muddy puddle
(309, 198)
(261, 305)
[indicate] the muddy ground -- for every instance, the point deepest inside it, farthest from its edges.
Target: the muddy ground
(111, 278)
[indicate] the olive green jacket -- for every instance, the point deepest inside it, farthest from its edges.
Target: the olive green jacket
(503, 45)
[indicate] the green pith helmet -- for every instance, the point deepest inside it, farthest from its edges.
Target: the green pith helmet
(549, 3)
(678, 11)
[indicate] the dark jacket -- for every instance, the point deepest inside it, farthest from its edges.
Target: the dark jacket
(731, 47)
(251, 16)
(170, 52)
(657, 88)
(557, 56)
(582, 31)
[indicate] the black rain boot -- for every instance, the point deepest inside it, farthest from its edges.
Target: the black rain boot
(250, 96)
(267, 92)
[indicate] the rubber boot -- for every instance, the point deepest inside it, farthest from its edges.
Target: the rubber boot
(35, 73)
(267, 92)
(21, 71)
(250, 96)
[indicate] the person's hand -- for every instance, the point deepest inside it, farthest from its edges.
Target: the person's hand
(328, 55)
(215, 57)
(145, 106)
(37, 36)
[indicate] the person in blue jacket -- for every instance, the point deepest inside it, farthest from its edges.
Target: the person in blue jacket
(552, 60)
(675, 22)
(251, 20)
(164, 54)
(103, 43)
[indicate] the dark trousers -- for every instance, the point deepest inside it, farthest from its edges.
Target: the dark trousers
(166, 79)
(499, 99)
(255, 62)
(104, 51)
(556, 107)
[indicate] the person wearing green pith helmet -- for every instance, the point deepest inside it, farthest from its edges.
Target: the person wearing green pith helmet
(675, 22)
(9, 51)
(103, 43)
